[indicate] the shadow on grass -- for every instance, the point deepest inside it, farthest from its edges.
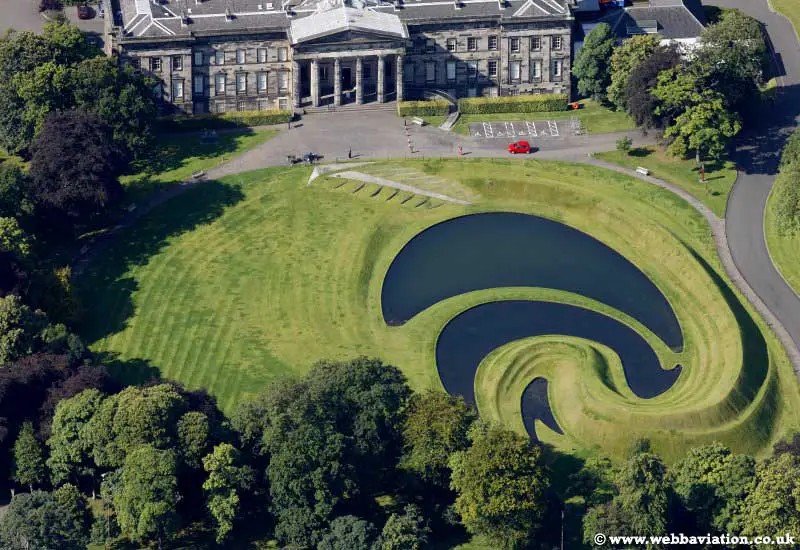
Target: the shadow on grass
(640, 152)
(128, 372)
(106, 287)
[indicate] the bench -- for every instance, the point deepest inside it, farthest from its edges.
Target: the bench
(199, 175)
(642, 171)
(418, 121)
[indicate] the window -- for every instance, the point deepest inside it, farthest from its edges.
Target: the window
(155, 64)
(283, 103)
(198, 58)
(536, 70)
(430, 45)
(283, 80)
(219, 84)
(199, 85)
(492, 42)
(472, 43)
(367, 71)
(158, 90)
(261, 55)
(515, 71)
(177, 90)
(556, 69)
(219, 106)
(136, 62)
(555, 42)
(472, 92)
(240, 57)
(262, 104)
(451, 70)
(451, 44)
(177, 62)
(472, 69)
(536, 42)
(408, 72)
(261, 82)
(283, 54)
(514, 44)
(241, 83)
(241, 106)
(492, 68)
(219, 55)
(430, 71)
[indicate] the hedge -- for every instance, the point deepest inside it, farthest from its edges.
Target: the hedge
(513, 104)
(423, 108)
(239, 119)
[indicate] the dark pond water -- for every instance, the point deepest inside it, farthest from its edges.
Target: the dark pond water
(484, 251)
(500, 249)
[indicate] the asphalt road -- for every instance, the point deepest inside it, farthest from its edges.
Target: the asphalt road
(757, 156)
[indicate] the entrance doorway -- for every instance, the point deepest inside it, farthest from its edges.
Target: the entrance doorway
(347, 82)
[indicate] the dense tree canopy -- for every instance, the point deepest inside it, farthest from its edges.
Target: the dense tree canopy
(624, 60)
(641, 103)
(227, 478)
(348, 533)
(591, 66)
(406, 531)
(28, 458)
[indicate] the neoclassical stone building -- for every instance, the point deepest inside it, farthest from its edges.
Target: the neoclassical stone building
(229, 55)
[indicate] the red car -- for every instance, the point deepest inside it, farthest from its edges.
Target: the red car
(84, 12)
(520, 147)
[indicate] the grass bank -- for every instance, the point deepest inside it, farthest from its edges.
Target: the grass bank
(783, 248)
(789, 8)
(177, 157)
(239, 282)
(596, 119)
(720, 176)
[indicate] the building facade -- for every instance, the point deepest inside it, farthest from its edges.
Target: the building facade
(241, 55)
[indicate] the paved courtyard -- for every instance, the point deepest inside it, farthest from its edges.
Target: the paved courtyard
(526, 129)
(23, 15)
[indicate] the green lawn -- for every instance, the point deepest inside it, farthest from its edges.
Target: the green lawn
(789, 8)
(720, 176)
(596, 119)
(783, 248)
(239, 282)
(179, 156)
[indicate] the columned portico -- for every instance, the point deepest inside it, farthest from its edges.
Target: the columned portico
(381, 78)
(315, 83)
(399, 77)
(337, 82)
(359, 81)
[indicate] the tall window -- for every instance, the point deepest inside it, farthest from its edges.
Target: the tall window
(472, 69)
(262, 104)
(262, 55)
(451, 70)
(430, 71)
(199, 84)
(536, 70)
(430, 45)
(451, 44)
(261, 82)
(408, 72)
(241, 106)
(555, 42)
(472, 43)
(492, 42)
(177, 90)
(241, 83)
(219, 106)
(556, 69)
(198, 58)
(515, 70)
(177, 62)
(493, 68)
(240, 59)
(219, 84)
(283, 103)
(283, 81)
(155, 64)
(283, 54)
(219, 55)
(536, 42)
(514, 44)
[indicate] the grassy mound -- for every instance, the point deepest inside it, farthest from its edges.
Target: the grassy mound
(238, 282)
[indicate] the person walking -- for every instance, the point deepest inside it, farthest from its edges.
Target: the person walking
(460, 151)
(349, 152)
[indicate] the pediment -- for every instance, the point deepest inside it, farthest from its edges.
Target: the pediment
(346, 24)
(350, 37)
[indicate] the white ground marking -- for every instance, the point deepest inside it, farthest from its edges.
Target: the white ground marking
(367, 178)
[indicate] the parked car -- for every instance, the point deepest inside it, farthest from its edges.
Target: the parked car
(101, 9)
(84, 12)
(520, 147)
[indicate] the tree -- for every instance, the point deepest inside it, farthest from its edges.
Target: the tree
(624, 60)
(643, 494)
(407, 531)
(704, 129)
(348, 533)
(13, 202)
(20, 329)
(501, 485)
(641, 103)
(146, 499)
(70, 442)
(44, 520)
(74, 169)
(773, 505)
(591, 66)
(436, 426)
(28, 458)
(147, 416)
(193, 438)
(227, 477)
(790, 154)
(624, 144)
(13, 239)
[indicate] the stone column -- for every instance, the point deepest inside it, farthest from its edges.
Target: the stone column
(359, 82)
(315, 83)
(399, 76)
(296, 84)
(381, 68)
(337, 82)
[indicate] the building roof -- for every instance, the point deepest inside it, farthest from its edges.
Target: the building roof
(175, 18)
(672, 19)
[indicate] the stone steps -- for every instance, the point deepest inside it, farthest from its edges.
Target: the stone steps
(389, 106)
